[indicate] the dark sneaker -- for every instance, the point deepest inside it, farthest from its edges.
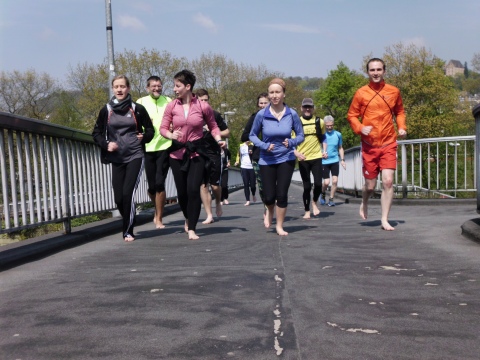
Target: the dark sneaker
(331, 203)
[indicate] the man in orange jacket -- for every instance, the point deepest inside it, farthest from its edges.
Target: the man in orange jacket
(374, 109)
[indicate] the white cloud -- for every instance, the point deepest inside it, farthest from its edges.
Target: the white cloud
(206, 22)
(293, 28)
(131, 22)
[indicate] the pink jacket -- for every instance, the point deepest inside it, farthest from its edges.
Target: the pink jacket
(191, 127)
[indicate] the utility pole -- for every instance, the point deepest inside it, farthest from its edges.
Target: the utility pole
(111, 60)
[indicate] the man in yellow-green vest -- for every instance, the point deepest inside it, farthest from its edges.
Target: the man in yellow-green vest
(156, 155)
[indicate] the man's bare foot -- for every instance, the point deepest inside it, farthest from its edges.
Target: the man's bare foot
(219, 210)
(281, 232)
(307, 215)
(208, 220)
(247, 203)
(159, 224)
(192, 235)
(226, 202)
(387, 226)
(267, 218)
(363, 211)
(186, 225)
(316, 210)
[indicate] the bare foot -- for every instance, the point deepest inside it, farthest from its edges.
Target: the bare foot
(307, 215)
(221, 202)
(159, 225)
(219, 210)
(129, 238)
(387, 226)
(186, 225)
(208, 220)
(226, 202)
(192, 235)
(316, 210)
(281, 232)
(247, 203)
(268, 218)
(363, 211)
(254, 199)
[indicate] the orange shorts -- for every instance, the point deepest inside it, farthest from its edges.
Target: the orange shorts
(376, 159)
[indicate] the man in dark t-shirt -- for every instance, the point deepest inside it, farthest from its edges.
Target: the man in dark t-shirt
(214, 152)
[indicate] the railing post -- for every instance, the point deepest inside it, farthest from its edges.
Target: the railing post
(404, 172)
(476, 114)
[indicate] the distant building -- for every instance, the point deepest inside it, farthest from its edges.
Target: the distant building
(453, 68)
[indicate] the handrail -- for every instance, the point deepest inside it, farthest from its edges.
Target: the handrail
(51, 173)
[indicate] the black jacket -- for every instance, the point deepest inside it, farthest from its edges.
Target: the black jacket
(144, 125)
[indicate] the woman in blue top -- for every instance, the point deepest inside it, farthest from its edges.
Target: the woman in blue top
(277, 160)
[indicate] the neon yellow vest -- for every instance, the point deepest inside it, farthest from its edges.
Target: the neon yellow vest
(155, 109)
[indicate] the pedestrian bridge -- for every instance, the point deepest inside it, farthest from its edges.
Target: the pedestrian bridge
(337, 287)
(52, 174)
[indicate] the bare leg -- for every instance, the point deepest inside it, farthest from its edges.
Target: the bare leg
(387, 197)
(159, 208)
(207, 203)
(368, 189)
(333, 189)
(217, 191)
(281, 212)
(186, 225)
(154, 202)
(268, 218)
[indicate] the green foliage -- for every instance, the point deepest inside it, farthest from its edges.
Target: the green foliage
(334, 98)
(429, 97)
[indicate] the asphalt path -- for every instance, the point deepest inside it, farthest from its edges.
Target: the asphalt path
(337, 287)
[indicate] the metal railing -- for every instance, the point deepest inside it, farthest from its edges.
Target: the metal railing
(51, 174)
(435, 167)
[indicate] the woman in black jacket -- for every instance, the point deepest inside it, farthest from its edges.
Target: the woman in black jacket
(122, 129)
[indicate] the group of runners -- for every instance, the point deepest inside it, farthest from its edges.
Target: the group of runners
(187, 136)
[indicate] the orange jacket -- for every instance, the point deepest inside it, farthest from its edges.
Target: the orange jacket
(370, 105)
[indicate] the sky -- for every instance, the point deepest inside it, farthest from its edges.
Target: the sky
(294, 37)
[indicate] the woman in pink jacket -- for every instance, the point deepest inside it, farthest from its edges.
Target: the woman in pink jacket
(183, 122)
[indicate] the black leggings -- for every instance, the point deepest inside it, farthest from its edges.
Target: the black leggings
(156, 169)
(125, 179)
(188, 188)
(224, 184)
(315, 167)
(276, 181)
(249, 183)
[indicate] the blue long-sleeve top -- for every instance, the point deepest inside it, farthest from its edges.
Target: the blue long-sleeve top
(275, 131)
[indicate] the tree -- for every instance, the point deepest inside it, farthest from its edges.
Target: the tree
(465, 70)
(90, 83)
(334, 98)
(139, 67)
(27, 93)
(476, 62)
